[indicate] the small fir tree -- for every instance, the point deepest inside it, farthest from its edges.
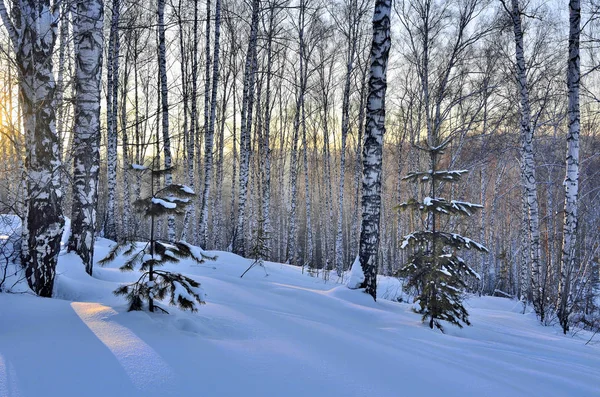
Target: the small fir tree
(434, 268)
(158, 284)
(260, 247)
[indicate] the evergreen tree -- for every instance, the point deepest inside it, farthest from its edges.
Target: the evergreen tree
(434, 267)
(260, 248)
(156, 283)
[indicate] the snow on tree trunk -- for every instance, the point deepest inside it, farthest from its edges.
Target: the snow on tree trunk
(162, 64)
(571, 182)
(528, 174)
(373, 146)
(210, 132)
(357, 276)
(88, 17)
(33, 36)
(239, 243)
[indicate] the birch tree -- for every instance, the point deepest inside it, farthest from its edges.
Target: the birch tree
(571, 182)
(88, 20)
(112, 78)
(528, 175)
(32, 31)
(192, 132)
(273, 19)
(210, 132)
(373, 146)
(292, 250)
(164, 96)
(350, 27)
(308, 251)
(239, 243)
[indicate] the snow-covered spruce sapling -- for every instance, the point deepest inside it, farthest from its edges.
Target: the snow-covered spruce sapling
(158, 284)
(434, 268)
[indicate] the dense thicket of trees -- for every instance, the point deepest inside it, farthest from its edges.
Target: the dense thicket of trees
(283, 88)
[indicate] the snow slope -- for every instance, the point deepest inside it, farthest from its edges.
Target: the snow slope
(285, 334)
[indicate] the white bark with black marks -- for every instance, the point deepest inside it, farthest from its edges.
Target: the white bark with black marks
(164, 96)
(210, 132)
(32, 32)
(88, 21)
(373, 145)
(112, 78)
(528, 175)
(571, 182)
(250, 68)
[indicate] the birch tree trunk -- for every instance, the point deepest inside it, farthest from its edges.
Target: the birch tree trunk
(528, 174)
(88, 20)
(210, 132)
(239, 243)
(325, 78)
(202, 224)
(352, 39)
(292, 250)
(187, 138)
(354, 235)
(112, 77)
(571, 182)
(32, 33)
(525, 256)
(307, 200)
(193, 131)
(126, 191)
(373, 146)
(234, 161)
(61, 110)
(164, 96)
(266, 164)
(218, 218)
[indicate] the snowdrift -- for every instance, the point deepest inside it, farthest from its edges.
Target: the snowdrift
(285, 334)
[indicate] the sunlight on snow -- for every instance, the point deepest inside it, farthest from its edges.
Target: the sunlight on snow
(144, 367)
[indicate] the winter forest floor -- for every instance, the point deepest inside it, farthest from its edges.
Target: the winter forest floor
(285, 334)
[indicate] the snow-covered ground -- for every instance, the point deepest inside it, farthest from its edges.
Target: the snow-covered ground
(285, 334)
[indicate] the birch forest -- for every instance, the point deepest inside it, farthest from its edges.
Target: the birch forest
(305, 127)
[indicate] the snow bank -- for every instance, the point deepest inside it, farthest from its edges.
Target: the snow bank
(285, 335)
